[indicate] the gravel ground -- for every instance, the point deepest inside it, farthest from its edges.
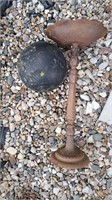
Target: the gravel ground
(34, 123)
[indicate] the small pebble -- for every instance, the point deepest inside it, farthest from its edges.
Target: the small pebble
(89, 74)
(58, 130)
(12, 127)
(89, 108)
(93, 60)
(103, 65)
(25, 38)
(64, 197)
(85, 97)
(95, 167)
(17, 118)
(24, 106)
(110, 56)
(98, 137)
(29, 138)
(76, 197)
(87, 190)
(109, 172)
(103, 94)
(56, 191)
(107, 43)
(95, 105)
(33, 150)
(20, 156)
(90, 139)
(11, 150)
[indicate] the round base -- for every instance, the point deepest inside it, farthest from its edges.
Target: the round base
(74, 159)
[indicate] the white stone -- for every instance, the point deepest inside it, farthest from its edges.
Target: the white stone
(103, 65)
(34, 1)
(64, 197)
(43, 102)
(58, 130)
(56, 191)
(24, 106)
(48, 107)
(12, 127)
(110, 56)
(96, 51)
(29, 139)
(93, 60)
(95, 105)
(89, 108)
(85, 97)
(14, 90)
(30, 103)
(20, 156)
(40, 6)
(33, 149)
(103, 94)
(90, 139)
(106, 114)
(109, 172)
(107, 43)
(59, 174)
(31, 122)
(42, 115)
(89, 74)
(17, 118)
(87, 190)
(110, 152)
(11, 150)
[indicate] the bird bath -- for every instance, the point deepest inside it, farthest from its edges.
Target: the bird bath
(75, 35)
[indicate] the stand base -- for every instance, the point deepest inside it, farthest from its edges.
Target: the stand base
(74, 159)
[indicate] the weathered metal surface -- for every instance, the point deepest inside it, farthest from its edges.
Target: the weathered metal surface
(81, 31)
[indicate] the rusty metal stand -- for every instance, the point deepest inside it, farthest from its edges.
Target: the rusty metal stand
(70, 156)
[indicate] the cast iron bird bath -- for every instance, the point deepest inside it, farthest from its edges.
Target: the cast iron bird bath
(75, 35)
(42, 67)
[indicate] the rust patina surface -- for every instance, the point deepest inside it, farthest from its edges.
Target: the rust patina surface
(81, 31)
(76, 35)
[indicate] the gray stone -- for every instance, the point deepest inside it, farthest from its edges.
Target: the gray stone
(10, 80)
(109, 184)
(76, 197)
(51, 140)
(97, 137)
(64, 197)
(95, 168)
(87, 190)
(106, 114)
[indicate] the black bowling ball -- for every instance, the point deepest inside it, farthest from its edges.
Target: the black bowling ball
(42, 66)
